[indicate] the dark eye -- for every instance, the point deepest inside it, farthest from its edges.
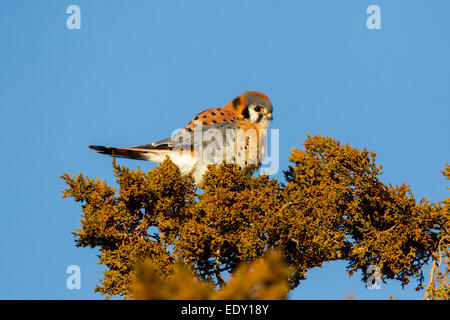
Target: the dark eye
(257, 109)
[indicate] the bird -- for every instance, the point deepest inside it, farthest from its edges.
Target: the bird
(234, 133)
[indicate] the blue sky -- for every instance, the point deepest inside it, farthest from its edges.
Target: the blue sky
(136, 70)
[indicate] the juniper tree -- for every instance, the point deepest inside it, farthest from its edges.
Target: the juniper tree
(157, 227)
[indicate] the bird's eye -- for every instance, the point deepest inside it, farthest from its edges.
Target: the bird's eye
(257, 109)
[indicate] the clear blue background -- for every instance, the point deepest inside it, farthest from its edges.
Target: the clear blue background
(139, 69)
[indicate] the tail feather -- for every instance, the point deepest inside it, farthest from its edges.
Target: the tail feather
(129, 153)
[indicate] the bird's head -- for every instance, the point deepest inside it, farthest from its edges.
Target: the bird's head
(255, 107)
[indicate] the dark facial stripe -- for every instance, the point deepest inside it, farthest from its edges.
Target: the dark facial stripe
(236, 101)
(246, 113)
(259, 117)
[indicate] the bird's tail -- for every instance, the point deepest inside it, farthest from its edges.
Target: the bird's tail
(132, 153)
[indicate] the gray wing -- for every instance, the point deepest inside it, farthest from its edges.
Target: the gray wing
(188, 139)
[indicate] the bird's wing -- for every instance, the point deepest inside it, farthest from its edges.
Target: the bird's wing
(188, 139)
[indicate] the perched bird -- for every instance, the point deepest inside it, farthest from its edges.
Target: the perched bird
(235, 133)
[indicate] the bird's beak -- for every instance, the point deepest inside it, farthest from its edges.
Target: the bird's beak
(270, 116)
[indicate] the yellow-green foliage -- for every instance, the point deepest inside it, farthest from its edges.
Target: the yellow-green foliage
(438, 287)
(264, 278)
(332, 206)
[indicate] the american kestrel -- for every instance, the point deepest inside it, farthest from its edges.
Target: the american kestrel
(235, 133)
